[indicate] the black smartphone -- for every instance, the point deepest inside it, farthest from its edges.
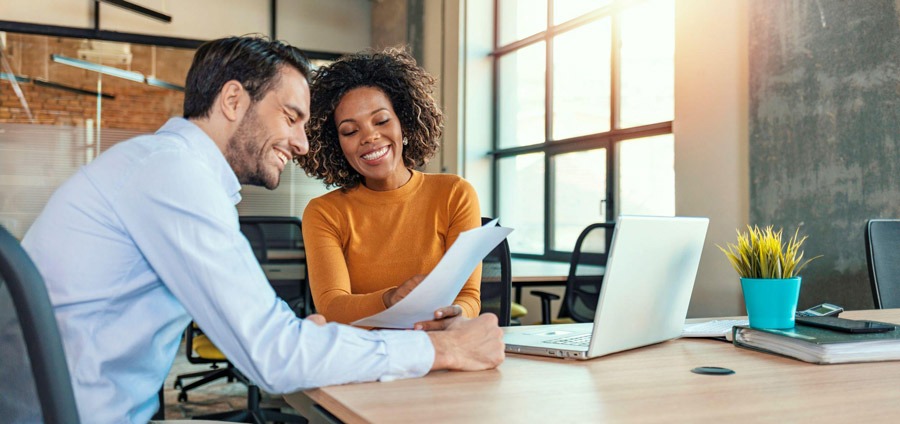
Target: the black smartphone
(846, 325)
(821, 310)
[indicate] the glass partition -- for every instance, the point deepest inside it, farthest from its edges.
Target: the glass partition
(63, 101)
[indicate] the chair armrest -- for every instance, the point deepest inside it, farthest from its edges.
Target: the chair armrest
(545, 304)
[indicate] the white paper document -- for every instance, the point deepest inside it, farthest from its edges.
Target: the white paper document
(441, 286)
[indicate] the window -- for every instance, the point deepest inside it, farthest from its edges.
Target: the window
(584, 102)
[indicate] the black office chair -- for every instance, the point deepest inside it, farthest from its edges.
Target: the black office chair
(277, 242)
(201, 351)
(34, 379)
(883, 258)
(585, 276)
(496, 281)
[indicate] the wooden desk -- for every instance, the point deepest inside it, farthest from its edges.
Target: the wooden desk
(650, 384)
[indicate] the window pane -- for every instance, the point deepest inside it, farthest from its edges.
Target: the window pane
(520, 18)
(521, 97)
(648, 35)
(521, 195)
(581, 81)
(579, 184)
(564, 10)
(647, 176)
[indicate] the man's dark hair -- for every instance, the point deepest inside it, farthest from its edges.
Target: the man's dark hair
(251, 60)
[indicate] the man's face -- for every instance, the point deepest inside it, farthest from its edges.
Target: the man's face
(272, 132)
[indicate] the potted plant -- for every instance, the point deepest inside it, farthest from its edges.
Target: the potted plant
(770, 274)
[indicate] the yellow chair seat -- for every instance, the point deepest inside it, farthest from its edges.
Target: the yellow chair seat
(516, 310)
(206, 349)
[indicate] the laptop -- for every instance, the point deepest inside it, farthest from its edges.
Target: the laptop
(644, 296)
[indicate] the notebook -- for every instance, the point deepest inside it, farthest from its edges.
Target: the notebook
(644, 297)
(820, 345)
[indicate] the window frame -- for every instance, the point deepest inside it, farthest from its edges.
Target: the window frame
(550, 147)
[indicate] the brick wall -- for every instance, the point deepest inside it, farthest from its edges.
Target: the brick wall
(136, 106)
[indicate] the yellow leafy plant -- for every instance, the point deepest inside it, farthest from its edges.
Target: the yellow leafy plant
(762, 254)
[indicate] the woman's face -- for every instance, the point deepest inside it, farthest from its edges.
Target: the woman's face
(371, 138)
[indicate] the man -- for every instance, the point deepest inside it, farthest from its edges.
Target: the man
(146, 237)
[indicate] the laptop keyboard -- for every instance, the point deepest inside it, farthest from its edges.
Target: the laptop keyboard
(579, 340)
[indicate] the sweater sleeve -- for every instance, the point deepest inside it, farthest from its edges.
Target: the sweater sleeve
(329, 278)
(465, 214)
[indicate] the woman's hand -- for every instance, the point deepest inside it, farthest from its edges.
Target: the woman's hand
(443, 317)
(316, 319)
(397, 294)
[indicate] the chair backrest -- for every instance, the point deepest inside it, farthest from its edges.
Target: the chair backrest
(28, 325)
(277, 242)
(496, 281)
(257, 239)
(583, 283)
(883, 258)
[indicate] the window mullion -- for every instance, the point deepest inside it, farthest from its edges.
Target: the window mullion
(615, 75)
(615, 98)
(548, 130)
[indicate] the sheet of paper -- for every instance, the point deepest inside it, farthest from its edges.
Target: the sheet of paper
(441, 286)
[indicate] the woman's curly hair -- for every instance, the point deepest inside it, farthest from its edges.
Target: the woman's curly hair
(409, 89)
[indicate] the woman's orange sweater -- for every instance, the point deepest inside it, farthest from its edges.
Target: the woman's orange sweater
(361, 243)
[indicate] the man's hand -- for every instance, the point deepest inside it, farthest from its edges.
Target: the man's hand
(397, 294)
(468, 344)
(442, 319)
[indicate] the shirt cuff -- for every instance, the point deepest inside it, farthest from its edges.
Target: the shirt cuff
(410, 354)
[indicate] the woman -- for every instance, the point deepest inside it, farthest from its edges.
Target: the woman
(371, 242)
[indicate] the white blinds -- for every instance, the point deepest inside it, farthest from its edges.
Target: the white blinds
(36, 159)
(289, 199)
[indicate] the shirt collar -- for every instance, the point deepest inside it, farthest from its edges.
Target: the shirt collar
(208, 150)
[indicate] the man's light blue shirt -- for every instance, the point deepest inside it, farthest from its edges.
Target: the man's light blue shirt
(145, 238)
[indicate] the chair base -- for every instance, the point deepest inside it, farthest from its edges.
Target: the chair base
(253, 413)
(208, 376)
(260, 416)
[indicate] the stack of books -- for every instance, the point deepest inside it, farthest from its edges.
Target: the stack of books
(819, 345)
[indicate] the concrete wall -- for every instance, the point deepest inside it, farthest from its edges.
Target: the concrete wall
(824, 132)
(419, 26)
(340, 26)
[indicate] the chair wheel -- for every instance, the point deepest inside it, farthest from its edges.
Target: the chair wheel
(178, 385)
(182, 397)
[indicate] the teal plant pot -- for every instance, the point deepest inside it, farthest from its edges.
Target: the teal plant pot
(771, 303)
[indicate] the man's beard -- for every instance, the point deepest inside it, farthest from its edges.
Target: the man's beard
(246, 153)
